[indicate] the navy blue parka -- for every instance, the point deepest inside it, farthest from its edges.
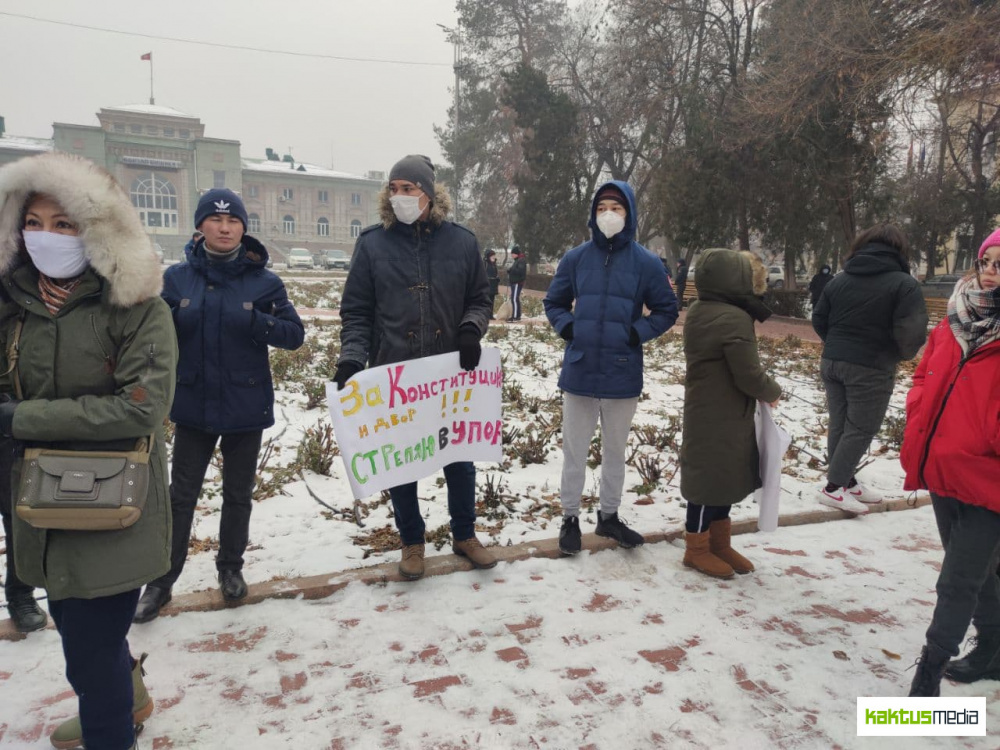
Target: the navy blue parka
(610, 281)
(226, 315)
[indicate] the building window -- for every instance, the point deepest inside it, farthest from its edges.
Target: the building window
(286, 194)
(152, 130)
(288, 224)
(324, 196)
(168, 132)
(323, 227)
(119, 127)
(355, 229)
(156, 199)
(253, 224)
(218, 178)
(251, 191)
(136, 129)
(185, 133)
(355, 199)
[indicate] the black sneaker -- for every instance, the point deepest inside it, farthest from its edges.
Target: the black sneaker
(612, 527)
(569, 535)
(232, 584)
(25, 613)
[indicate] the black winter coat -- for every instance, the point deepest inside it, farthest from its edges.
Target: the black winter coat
(411, 287)
(517, 272)
(872, 314)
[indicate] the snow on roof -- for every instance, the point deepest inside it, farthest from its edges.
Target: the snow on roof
(24, 143)
(267, 165)
(151, 109)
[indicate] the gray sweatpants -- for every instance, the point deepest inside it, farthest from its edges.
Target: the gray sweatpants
(580, 415)
(858, 397)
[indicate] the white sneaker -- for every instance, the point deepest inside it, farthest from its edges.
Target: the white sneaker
(842, 501)
(864, 494)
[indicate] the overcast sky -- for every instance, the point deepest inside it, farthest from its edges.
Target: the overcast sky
(353, 116)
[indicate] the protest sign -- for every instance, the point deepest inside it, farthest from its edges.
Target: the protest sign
(401, 422)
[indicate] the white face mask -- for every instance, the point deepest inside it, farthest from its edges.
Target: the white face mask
(406, 207)
(610, 223)
(58, 256)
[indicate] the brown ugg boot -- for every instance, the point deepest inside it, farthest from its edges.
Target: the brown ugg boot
(718, 543)
(699, 557)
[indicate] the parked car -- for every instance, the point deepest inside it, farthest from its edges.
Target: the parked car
(940, 286)
(776, 277)
(337, 259)
(299, 257)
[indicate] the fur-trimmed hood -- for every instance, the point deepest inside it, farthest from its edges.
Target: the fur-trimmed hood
(116, 244)
(440, 207)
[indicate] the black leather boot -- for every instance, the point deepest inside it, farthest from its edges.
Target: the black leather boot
(930, 669)
(232, 584)
(25, 613)
(981, 663)
(150, 603)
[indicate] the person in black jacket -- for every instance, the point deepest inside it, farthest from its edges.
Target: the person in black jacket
(493, 276)
(227, 309)
(515, 276)
(680, 281)
(818, 284)
(870, 317)
(417, 287)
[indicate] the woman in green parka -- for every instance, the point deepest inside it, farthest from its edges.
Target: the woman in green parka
(96, 366)
(724, 382)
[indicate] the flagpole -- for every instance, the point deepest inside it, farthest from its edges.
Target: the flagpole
(151, 99)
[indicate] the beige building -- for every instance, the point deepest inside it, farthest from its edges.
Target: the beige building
(163, 159)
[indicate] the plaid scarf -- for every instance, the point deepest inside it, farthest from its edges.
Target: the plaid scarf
(974, 315)
(54, 294)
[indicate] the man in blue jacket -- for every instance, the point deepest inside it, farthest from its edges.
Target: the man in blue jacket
(228, 309)
(609, 278)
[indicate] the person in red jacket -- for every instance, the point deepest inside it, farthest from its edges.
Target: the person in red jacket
(951, 447)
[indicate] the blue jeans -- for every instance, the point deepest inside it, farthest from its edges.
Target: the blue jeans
(98, 664)
(461, 480)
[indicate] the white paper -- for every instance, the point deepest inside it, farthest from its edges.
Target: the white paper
(401, 422)
(772, 442)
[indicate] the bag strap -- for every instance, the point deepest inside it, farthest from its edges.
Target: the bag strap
(14, 353)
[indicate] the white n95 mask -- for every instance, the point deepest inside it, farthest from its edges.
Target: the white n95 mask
(610, 223)
(406, 207)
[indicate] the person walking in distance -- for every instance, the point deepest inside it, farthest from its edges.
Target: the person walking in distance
(595, 302)
(420, 282)
(516, 274)
(227, 309)
(493, 276)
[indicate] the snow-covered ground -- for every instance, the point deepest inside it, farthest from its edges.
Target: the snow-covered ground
(501, 659)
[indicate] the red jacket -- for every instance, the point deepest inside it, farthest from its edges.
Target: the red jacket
(951, 445)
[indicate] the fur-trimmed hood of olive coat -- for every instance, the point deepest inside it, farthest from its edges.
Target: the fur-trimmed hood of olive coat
(411, 287)
(724, 380)
(98, 374)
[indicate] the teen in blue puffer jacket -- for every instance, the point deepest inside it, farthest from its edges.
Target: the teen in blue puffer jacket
(610, 279)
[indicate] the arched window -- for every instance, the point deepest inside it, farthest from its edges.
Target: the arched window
(323, 227)
(156, 199)
(355, 229)
(254, 223)
(288, 224)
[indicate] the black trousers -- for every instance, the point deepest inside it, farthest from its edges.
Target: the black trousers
(968, 588)
(700, 517)
(13, 587)
(99, 666)
(192, 453)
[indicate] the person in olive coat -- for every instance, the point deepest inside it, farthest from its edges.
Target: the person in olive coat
(724, 380)
(492, 276)
(96, 368)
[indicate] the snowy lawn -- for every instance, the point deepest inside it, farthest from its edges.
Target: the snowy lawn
(620, 649)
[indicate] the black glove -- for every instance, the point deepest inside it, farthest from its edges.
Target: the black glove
(8, 405)
(567, 332)
(345, 371)
(633, 337)
(469, 349)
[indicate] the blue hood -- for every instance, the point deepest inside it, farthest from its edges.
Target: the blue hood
(253, 255)
(623, 238)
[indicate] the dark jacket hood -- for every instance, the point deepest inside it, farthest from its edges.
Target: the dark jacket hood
(875, 258)
(624, 237)
(728, 276)
(825, 270)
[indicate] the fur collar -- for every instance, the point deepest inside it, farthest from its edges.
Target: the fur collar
(440, 207)
(116, 243)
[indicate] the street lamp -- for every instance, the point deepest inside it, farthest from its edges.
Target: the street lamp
(455, 37)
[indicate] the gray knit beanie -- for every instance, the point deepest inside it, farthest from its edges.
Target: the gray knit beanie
(416, 169)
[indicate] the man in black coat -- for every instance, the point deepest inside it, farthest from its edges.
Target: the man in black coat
(515, 276)
(418, 287)
(818, 284)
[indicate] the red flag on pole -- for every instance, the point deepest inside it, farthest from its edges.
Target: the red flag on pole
(147, 56)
